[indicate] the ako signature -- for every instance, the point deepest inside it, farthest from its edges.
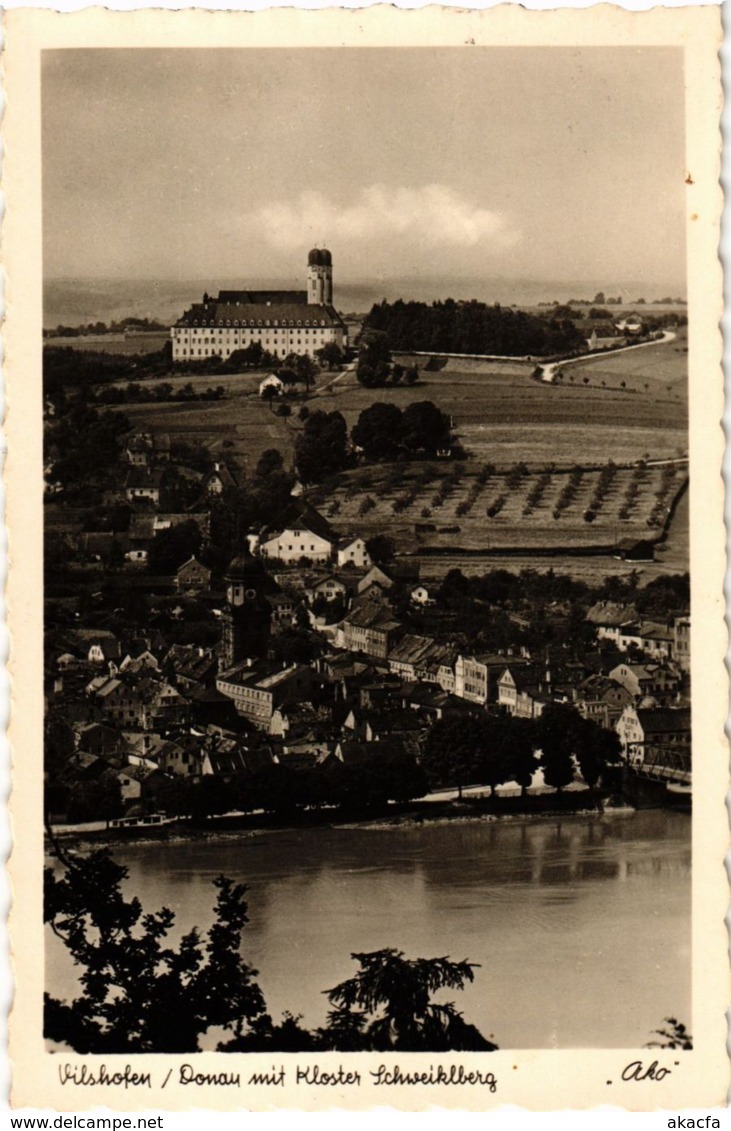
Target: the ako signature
(636, 1071)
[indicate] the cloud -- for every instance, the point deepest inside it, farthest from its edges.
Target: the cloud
(432, 216)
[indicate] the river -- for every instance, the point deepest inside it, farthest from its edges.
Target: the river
(581, 925)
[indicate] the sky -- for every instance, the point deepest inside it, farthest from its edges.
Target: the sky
(452, 163)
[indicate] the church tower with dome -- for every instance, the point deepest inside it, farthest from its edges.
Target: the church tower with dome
(319, 277)
(246, 617)
(282, 322)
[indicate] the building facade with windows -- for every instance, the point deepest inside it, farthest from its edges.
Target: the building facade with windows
(282, 322)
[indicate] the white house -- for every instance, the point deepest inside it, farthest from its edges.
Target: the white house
(300, 533)
(352, 551)
(271, 381)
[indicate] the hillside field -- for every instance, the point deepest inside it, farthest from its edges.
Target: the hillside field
(503, 414)
(448, 506)
(624, 408)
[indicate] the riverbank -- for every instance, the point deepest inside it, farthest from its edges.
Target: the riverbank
(412, 815)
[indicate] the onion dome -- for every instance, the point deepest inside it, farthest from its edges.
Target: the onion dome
(238, 568)
(245, 568)
(319, 257)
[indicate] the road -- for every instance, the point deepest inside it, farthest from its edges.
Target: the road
(548, 372)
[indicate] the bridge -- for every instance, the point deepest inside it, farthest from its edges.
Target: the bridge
(666, 763)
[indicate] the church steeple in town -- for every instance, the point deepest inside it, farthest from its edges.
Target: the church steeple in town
(246, 617)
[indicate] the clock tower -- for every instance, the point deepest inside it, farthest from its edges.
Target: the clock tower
(246, 616)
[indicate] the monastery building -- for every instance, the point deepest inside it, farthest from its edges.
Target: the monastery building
(282, 321)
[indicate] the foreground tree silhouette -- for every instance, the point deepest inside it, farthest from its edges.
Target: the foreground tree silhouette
(387, 1005)
(674, 1036)
(140, 994)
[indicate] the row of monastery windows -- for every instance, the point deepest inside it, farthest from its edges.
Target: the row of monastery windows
(261, 322)
(217, 334)
(209, 351)
(269, 336)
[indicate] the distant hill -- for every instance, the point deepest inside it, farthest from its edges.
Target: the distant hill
(74, 302)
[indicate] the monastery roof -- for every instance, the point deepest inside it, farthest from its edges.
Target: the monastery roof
(261, 314)
(255, 298)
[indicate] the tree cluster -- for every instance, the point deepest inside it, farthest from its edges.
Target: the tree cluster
(137, 393)
(384, 431)
(470, 327)
(146, 325)
(65, 369)
(374, 368)
(82, 444)
(321, 449)
(492, 750)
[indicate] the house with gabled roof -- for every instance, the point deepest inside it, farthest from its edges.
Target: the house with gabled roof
(601, 699)
(635, 550)
(660, 729)
(476, 677)
(330, 587)
(657, 640)
(300, 532)
(144, 484)
(647, 680)
(219, 478)
(352, 551)
(98, 739)
(271, 381)
(376, 576)
(103, 648)
(370, 628)
(192, 575)
(409, 655)
(522, 693)
(187, 665)
(608, 617)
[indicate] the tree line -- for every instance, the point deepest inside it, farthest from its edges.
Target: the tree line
(143, 325)
(137, 393)
(471, 327)
(493, 750)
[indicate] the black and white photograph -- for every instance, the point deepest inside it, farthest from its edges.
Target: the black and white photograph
(368, 725)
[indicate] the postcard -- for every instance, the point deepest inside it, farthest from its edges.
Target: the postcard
(366, 544)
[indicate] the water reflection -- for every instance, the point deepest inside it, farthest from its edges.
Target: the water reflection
(581, 925)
